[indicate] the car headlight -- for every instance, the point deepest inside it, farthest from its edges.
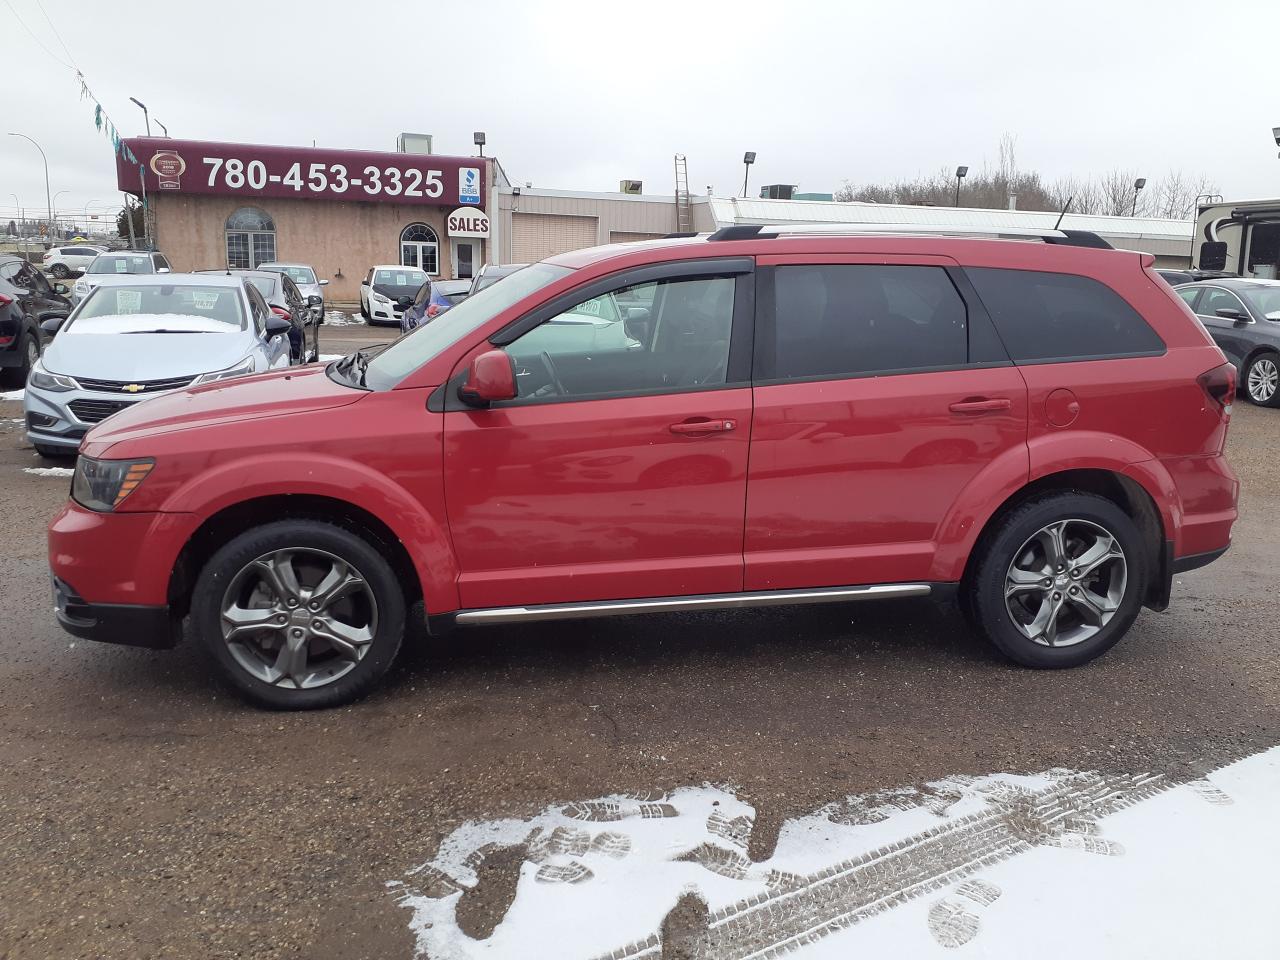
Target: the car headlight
(242, 368)
(42, 379)
(379, 298)
(80, 286)
(102, 485)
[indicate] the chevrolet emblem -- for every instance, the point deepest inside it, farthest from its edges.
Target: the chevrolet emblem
(133, 387)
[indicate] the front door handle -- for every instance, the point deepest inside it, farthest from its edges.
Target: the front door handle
(703, 425)
(981, 405)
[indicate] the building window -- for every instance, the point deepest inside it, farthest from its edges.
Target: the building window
(251, 239)
(420, 248)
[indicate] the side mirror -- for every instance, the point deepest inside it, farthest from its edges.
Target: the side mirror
(490, 378)
(636, 323)
(324, 283)
(277, 325)
(363, 283)
(313, 300)
(52, 325)
(61, 288)
(1232, 313)
(162, 270)
(404, 303)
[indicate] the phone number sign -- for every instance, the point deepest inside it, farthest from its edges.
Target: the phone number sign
(250, 170)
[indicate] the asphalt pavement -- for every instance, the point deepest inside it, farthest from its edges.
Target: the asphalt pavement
(145, 812)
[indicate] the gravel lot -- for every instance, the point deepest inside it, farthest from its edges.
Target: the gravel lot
(146, 813)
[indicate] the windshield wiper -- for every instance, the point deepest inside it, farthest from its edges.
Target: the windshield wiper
(166, 331)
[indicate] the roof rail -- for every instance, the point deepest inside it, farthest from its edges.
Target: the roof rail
(754, 231)
(680, 235)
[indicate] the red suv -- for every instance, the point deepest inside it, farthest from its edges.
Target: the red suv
(739, 419)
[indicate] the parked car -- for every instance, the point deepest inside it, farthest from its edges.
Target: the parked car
(136, 337)
(26, 299)
(1176, 277)
(491, 273)
(1243, 317)
(62, 262)
(433, 298)
(383, 290)
(287, 301)
(114, 263)
(305, 277)
(1034, 429)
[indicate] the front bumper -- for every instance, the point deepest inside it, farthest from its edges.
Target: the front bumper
(134, 625)
(62, 418)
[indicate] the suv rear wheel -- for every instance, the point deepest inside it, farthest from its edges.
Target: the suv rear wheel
(299, 614)
(1060, 580)
(1262, 380)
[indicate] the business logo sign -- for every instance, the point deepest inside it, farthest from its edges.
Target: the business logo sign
(468, 222)
(468, 184)
(168, 167)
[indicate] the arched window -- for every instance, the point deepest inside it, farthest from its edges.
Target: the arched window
(419, 247)
(251, 238)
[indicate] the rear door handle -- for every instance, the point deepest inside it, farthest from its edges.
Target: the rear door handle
(981, 405)
(703, 425)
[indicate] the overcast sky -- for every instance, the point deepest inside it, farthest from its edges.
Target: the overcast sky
(581, 95)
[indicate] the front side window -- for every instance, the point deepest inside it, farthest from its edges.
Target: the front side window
(164, 306)
(1215, 299)
(841, 320)
(601, 347)
(1188, 294)
(264, 285)
(251, 238)
(1044, 317)
(419, 247)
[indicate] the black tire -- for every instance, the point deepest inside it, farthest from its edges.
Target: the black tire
(984, 600)
(54, 453)
(220, 572)
(60, 271)
(364, 312)
(29, 350)
(1247, 388)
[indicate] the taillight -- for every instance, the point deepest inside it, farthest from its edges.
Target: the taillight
(282, 312)
(1220, 384)
(5, 301)
(432, 309)
(5, 341)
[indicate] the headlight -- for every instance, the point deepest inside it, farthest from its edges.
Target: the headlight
(245, 366)
(102, 485)
(42, 379)
(80, 287)
(379, 298)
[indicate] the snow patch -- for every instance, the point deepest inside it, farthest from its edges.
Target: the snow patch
(12, 395)
(339, 318)
(49, 471)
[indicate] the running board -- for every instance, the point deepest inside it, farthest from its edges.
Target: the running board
(715, 601)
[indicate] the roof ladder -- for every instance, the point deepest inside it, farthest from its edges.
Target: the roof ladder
(684, 204)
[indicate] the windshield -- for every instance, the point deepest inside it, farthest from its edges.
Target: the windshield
(160, 303)
(405, 278)
(266, 285)
(410, 352)
(1266, 300)
(140, 263)
(296, 274)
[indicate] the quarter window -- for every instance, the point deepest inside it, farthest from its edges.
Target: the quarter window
(251, 239)
(1061, 316)
(661, 336)
(419, 247)
(841, 320)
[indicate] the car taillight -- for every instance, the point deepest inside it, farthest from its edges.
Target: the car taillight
(432, 309)
(5, 341)
(282, 312)
(5, 301)
(1220, 384)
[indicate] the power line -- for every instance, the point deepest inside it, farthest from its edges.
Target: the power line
(62, 42)
(38, 41)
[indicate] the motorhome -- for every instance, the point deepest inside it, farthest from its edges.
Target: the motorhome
(1241, 237)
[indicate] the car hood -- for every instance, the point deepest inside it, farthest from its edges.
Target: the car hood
(278, 393)
(144, 356)
(311, 290)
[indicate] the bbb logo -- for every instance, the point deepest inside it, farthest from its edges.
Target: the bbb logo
(469, 185)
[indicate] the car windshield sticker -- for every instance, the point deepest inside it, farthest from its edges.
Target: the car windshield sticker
(128, 301)
(204, 301)
(122, 266)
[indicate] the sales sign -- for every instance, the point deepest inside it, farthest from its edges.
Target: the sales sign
(468, 222)
(251, 170)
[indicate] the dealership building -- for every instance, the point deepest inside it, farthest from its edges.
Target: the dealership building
(343, 211)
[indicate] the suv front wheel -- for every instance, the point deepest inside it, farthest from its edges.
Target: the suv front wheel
(299, 614)
(1060, 580)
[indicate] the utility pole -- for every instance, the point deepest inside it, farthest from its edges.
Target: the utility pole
(128, 219)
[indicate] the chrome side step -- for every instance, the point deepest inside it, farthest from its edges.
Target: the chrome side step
(715, 601)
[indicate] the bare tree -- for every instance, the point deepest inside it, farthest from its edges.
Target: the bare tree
(1175, 194)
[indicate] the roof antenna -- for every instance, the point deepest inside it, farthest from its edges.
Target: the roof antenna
(1065, 207)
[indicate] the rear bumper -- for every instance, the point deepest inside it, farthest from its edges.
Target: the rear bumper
(1197, 560)
(134, 625)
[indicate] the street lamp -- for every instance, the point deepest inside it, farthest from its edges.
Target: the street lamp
(748, 159)
(146, 116)
(164, 128)
(961, 173)
(478, 138)
(1137, 185)
(46, 173)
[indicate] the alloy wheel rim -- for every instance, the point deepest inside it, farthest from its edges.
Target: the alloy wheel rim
(1066, 583)
(1263, 379)
(298, 618)
(33, 354)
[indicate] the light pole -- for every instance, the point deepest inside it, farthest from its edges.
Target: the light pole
(55, 208)
(146, 116)
(164, 128)
(961, 173)
(47, 198)
(1137, 185)
(748, 159)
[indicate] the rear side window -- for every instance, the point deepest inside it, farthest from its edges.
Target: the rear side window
(1061, 316)
(840, 320)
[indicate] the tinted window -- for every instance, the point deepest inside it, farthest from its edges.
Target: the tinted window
(844, 320)
(1061, 316)
(162, 263)
(265, 285)
(590, 350)
(1215, 299)
(1189, 294)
